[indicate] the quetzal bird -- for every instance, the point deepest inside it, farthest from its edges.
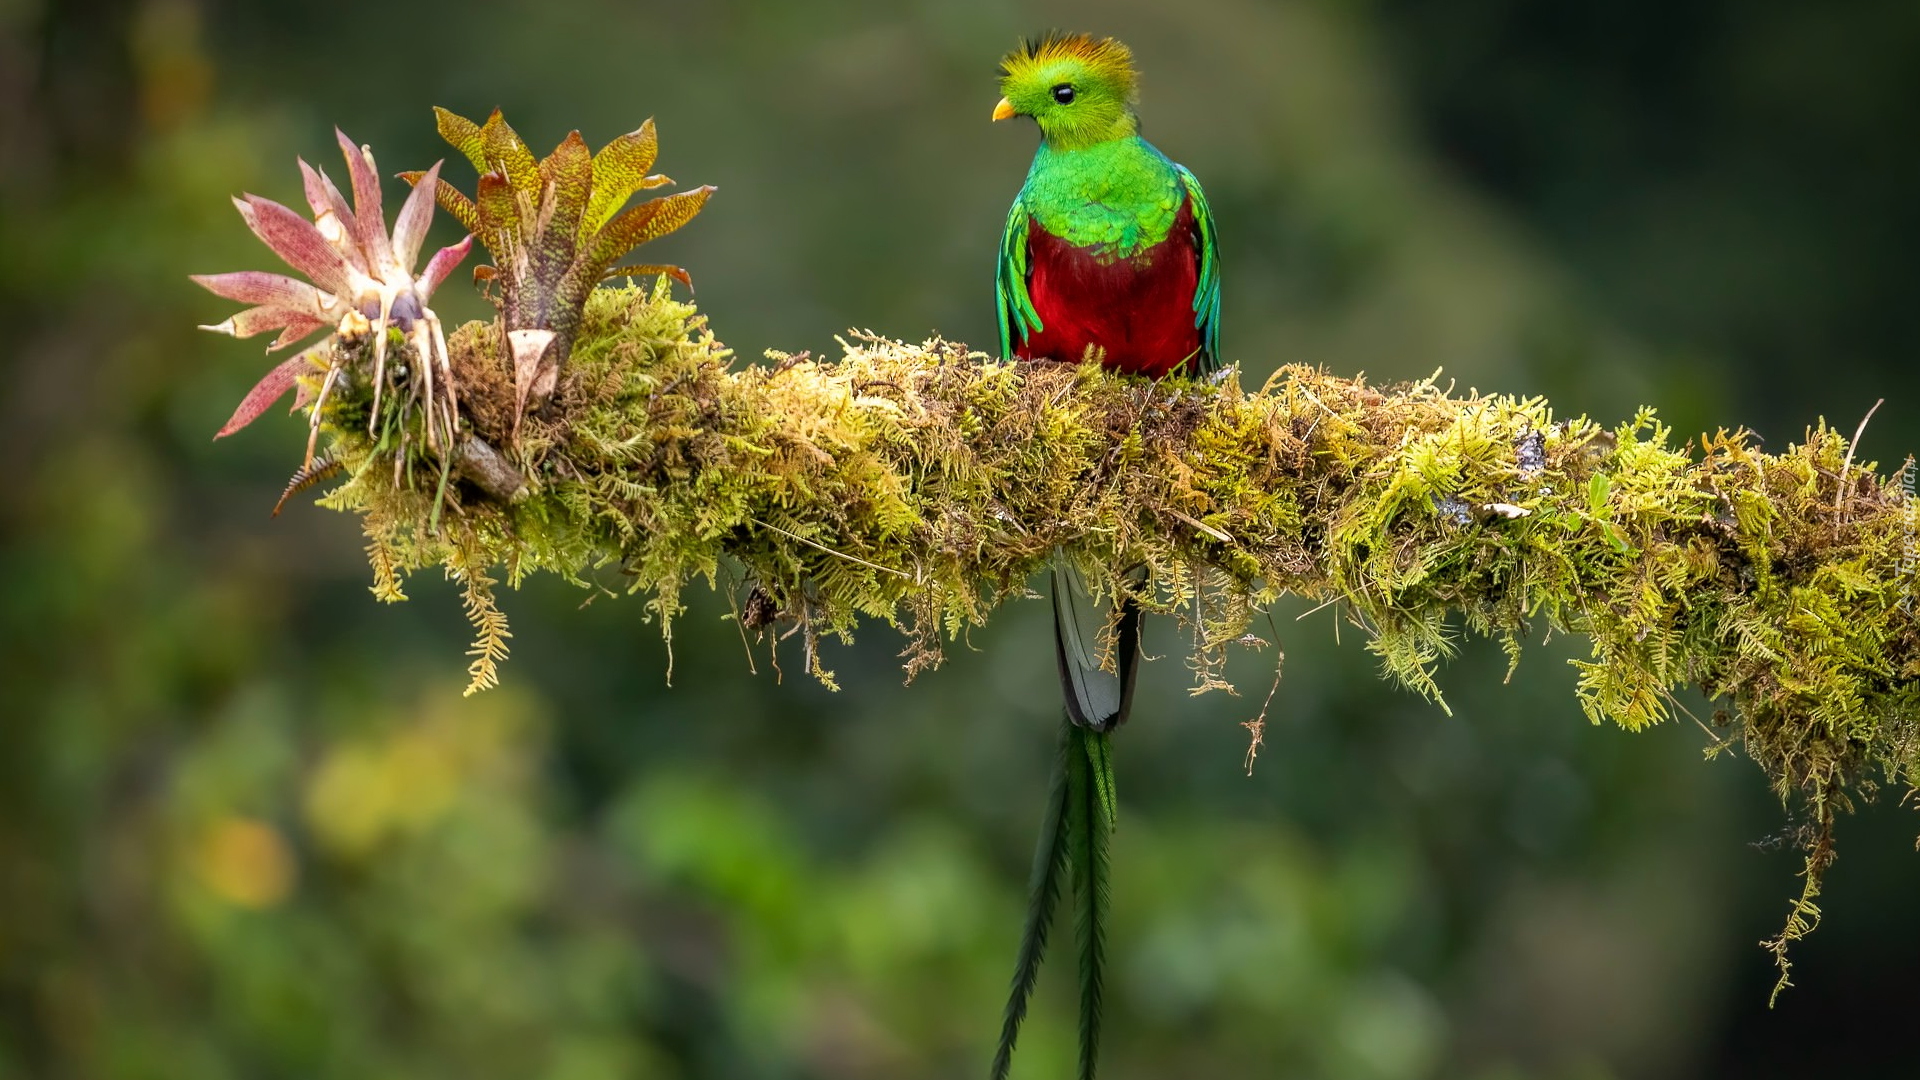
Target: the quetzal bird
(1109, 252)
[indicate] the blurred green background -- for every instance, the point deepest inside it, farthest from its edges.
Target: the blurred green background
(249, 827)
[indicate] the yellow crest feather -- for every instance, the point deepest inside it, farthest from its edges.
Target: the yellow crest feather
(1109, 58)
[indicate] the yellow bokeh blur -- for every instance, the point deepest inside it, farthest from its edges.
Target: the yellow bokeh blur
(365, 792)
(246, 862)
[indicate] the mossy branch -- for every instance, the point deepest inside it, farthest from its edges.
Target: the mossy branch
(922, 485)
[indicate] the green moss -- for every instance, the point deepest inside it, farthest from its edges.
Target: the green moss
(922, 485)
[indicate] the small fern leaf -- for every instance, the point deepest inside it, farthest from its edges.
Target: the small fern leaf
(305, 477)
(489, 649)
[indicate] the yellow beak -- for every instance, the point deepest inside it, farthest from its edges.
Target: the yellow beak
(1003, 110)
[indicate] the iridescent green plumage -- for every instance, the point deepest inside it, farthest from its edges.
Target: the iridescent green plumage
(1097, 186)
(1108, 251)
(1114, 201)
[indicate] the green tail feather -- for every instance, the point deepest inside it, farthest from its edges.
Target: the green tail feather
(1100, 762)
(1090, 794)
(1043, 887)
(1080, 816)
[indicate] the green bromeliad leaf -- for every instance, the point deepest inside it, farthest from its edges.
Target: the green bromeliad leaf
(648, 221)
(645, 270)
(463, 135)
(506, 152)
(452, 201)
(568, 174)
(499, 218)
(619, 170)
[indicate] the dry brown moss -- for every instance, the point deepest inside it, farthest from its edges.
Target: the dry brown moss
(923, 485)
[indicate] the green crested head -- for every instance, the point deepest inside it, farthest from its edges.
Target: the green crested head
(1079, 89)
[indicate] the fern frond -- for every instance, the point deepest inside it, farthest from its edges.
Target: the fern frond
(489, 625)
(385, 562)
(305, 477)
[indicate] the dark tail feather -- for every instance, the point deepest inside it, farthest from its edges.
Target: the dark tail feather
(1096, 698)
(1089, 786)
(1043, 889)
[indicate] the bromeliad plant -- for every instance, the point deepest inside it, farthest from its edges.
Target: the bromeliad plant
(363, 289)
(555, 229)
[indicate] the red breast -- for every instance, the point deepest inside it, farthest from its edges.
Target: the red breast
(1137, 310)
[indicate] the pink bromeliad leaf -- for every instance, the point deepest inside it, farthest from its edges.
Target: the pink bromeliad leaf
(331, 214)
(259, 320)
(440, 266)
(260, 287)
(295, 308)
(370, 220)
(296, 240)
(410, 228)
(268, 390)
(300, 328)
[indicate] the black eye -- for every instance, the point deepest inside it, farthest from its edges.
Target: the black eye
(1063, 93)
